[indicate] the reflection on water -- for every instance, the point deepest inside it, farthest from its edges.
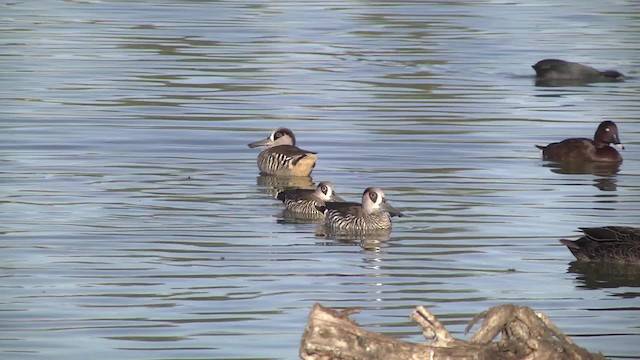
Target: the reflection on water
(288, 216)
(285, 182)
(572, 82)
(370, 243)
(603, 275)
(605, 172)
(374, 235)
(595, 168)
(605, 184)
(273, 184)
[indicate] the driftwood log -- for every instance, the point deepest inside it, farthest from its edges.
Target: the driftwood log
(526, 335)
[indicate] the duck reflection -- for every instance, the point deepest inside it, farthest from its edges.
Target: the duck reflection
(275, 184)
(370, 241)
(603, 275)
(566, 82)
(606, 172)
(291, 217)
(594, 167)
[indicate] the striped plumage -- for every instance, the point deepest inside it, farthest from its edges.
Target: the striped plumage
(281, 156)
(609, 244)
(306, 201)
(374, 213)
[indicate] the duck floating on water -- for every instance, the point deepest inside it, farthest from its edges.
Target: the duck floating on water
(616, 244)
(281, 156)
(582, 149)
(374, 213)
(554, 70)
(305, 202)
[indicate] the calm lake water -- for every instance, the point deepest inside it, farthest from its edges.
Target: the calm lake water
(134, 224)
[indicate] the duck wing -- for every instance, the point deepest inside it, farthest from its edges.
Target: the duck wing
(609, 243)
(610, 234)
(344, 208)
(292, 152)
(295, 194)
(574, 149)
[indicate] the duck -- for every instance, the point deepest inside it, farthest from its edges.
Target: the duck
(581, 149)
(305, 202)
(281, 156)
(616, 244)
(374, 213)
(554, 70)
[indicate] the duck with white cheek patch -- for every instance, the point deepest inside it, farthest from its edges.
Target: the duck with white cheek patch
(374, 213)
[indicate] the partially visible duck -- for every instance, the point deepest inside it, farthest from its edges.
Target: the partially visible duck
(305, 202)
(374, 213)
(554, 69)
(581, 149)
(609, 244)
(281, 156)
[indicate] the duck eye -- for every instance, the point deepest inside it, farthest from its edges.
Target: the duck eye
(373, 196)
(324, 189)
(278, 135)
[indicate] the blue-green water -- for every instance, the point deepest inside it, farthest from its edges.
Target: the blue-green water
(134, 225)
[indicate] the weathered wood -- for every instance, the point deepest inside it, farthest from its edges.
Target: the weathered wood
(332, 335)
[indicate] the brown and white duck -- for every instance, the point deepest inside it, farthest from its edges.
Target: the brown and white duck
(281, 156)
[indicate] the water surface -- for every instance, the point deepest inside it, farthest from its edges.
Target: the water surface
(135, 225)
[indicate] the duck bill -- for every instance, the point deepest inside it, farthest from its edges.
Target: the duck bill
(336, 198)
(616, 142)
(391, 210)
(260, 143)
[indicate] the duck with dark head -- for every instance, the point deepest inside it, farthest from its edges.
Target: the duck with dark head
(559, 72)
(582, 149)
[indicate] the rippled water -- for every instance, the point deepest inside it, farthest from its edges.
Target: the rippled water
(134, 223)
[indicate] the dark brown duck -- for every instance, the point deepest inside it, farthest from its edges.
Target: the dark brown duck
(582, 149)
(619, 244)
(554, 70)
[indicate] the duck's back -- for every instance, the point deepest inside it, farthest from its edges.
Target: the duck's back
(553, 69)
(613, 234)
(343, 208)
(300, 201)
(286, 160)
(575, 149)
(610, 243)
(346, 216)
(579, 149)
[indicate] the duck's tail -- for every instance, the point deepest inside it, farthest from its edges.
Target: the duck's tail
(576, 249)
